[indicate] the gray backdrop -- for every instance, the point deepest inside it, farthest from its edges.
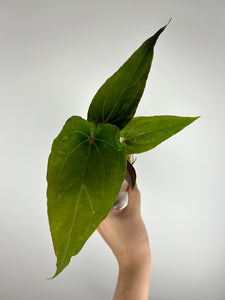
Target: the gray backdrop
(54, 55)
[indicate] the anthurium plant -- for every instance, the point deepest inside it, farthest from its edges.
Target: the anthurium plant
(88, 159)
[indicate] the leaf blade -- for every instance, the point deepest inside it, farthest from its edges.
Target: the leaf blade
(145, 133)
(117, 100)
(79, 193)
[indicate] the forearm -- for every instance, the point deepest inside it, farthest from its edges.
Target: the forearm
(133, 281)
(125, 233)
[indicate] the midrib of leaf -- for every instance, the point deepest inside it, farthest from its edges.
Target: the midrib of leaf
(137, 135)
(128, 82)
(75, 209)
(143, 133)
(115, 104)
(106, 99)
(86, 229)
(134, 128)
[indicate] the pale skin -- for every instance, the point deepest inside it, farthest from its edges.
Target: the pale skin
(125, 233)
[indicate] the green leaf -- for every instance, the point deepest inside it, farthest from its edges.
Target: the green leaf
(117, 100)
(86, 168)
(144, 133)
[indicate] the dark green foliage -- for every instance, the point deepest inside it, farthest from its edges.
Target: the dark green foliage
(85, 171)
(87, 164)
(117, 100)
(145, 133)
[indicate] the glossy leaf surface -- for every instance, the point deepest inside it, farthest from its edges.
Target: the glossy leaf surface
(117, 100)
(144, 133)
(86, 168)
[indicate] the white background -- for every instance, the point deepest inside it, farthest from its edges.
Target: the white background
(54, 55)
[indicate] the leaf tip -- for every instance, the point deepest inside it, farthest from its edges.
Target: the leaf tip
(196, 118)
(56, 274)
(157, 34)
(60, 266)
(50, 278)
(164, 27)
(169, 21)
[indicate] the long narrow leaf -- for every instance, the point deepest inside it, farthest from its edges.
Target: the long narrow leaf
(117, 100)
(144, 133)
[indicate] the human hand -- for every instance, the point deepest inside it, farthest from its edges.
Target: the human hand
(125, 233)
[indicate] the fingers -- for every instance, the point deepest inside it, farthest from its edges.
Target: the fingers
(134, 197)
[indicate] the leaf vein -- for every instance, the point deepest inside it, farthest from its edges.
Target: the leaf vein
(103, 167)
(125, 88)
(106, 143)
(75, 210)
(69, 154)
(89, 200)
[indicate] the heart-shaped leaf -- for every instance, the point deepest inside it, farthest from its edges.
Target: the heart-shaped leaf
(86, 168)
(145, 133)
(117, 100)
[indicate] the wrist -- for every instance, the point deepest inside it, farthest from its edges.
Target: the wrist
(135, 263)
(136, 257)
